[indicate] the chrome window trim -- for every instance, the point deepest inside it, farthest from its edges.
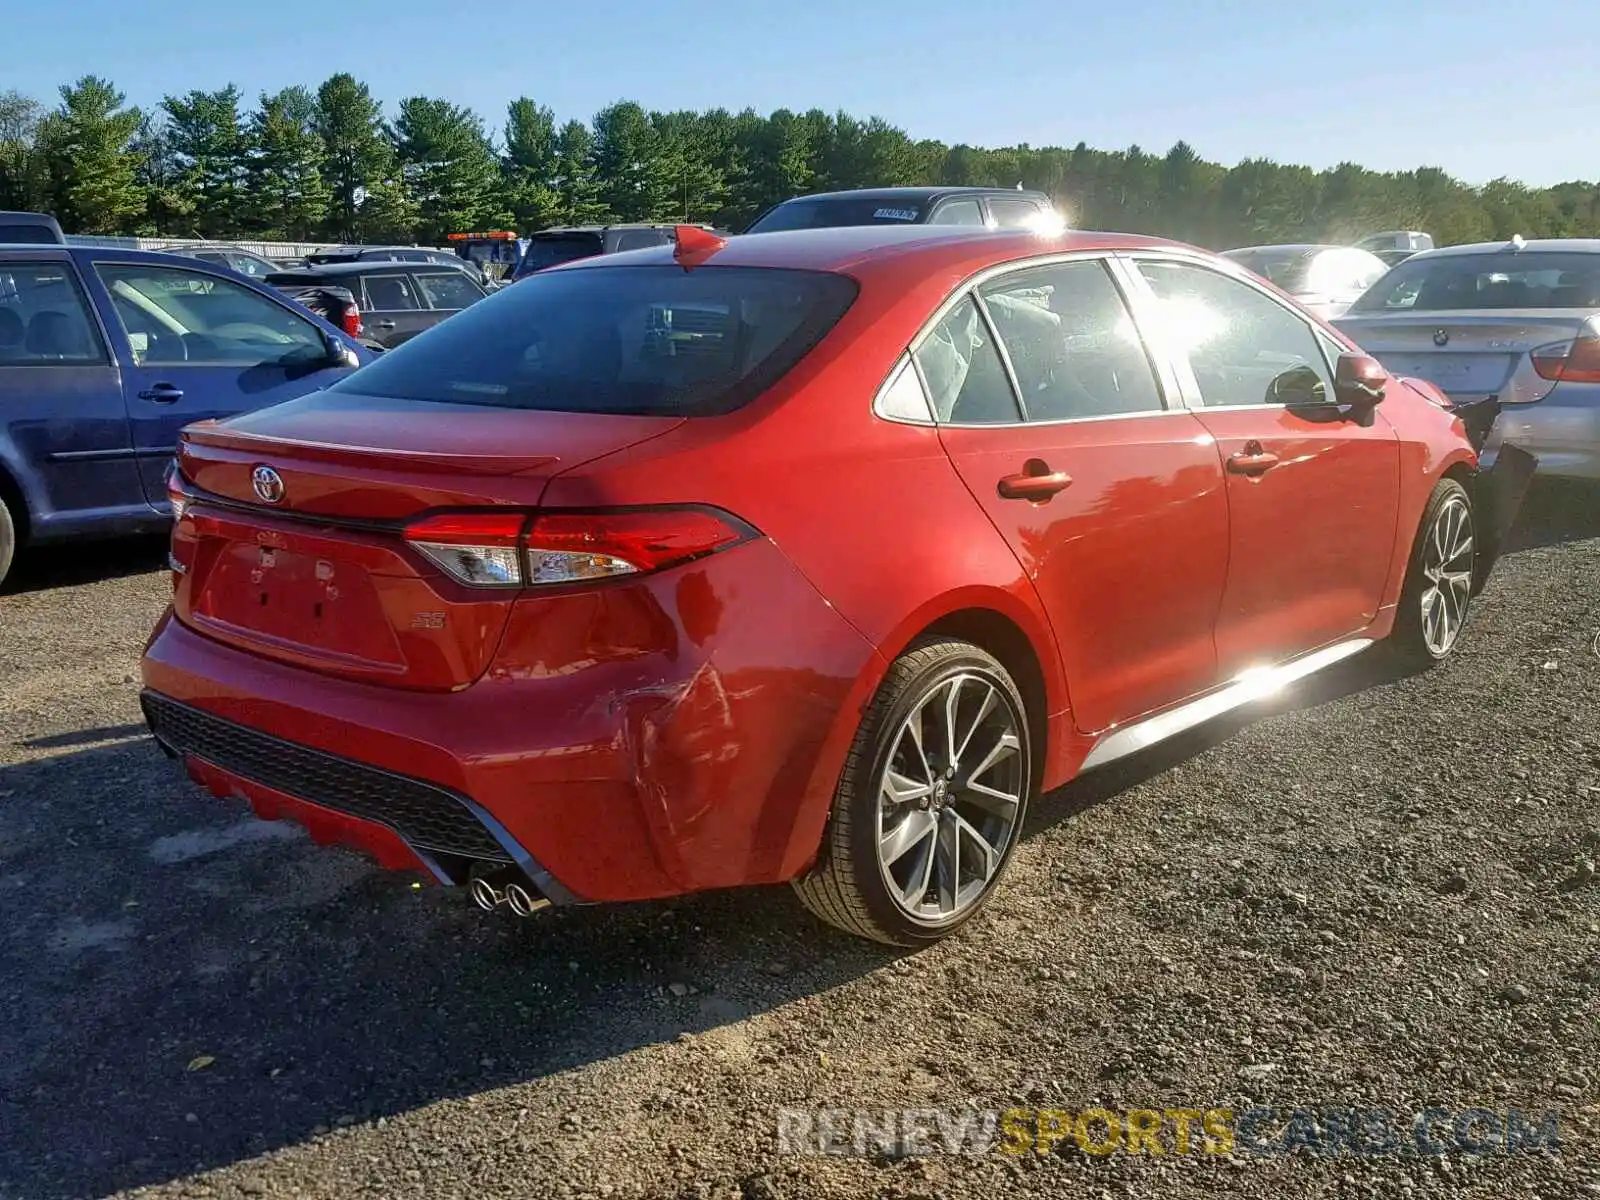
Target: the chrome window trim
(1168, 385)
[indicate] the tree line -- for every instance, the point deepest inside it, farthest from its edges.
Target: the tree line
(330, 164)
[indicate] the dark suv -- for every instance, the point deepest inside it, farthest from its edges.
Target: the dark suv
(397, 300)
(996, 208)
(566, 243)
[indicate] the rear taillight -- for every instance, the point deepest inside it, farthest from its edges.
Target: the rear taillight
(549, 549)
(350, 321)
(1576, 360)
(177, 496)
(478, 549)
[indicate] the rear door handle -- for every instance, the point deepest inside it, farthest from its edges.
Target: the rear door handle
(162, 393)
(1036, 482)
(385, 324)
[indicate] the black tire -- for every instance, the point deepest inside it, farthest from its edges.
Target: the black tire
(848, 887)
(8, 540)
(1412, 644)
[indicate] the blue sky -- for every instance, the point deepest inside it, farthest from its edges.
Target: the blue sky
(1482, 89)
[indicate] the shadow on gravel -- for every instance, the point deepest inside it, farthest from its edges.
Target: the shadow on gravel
(1556, 511)
(148, 924)
(74, 563)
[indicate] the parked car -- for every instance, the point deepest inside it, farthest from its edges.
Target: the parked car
(26, 228)
(1325, 279)
(246, 262)
(568, 243)
(331, 255)
(996, 208)
(106, 354)
(335, 305)
(397, 300)
(1396, 245)
(1518, 322)
(809, 557)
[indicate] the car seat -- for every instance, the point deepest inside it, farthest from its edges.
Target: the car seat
(12, 333)
(53, 334)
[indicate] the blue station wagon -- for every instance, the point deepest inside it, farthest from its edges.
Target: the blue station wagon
(105, 355)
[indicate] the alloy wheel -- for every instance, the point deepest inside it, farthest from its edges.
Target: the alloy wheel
(949, 798)
(1447, 561)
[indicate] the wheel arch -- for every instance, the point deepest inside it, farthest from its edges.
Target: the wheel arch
(995, 620)
(15, 500)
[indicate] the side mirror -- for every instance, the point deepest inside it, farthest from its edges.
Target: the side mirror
(339, 354)
(1298, 387)
(1359, 380)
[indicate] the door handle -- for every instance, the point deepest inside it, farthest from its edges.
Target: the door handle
(162, 393)
(385, 324)
(1252, 460)
(1036, 482)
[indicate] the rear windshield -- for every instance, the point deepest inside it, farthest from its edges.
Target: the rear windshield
(845, 210)
(545, 252)
(1286, 268)
(649, 340)
(26, 235)
(1499, 279)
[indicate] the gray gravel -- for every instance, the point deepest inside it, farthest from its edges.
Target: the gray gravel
(1377, 893)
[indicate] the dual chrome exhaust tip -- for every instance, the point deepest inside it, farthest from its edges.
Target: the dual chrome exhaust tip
(511, 892)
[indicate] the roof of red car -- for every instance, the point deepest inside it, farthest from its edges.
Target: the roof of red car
(853, 248)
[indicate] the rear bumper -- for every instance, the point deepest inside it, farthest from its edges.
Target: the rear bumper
(689, 756)
(1562, 431)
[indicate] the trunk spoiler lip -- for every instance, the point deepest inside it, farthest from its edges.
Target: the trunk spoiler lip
(214, 436)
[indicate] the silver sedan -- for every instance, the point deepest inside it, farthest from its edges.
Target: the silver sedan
(1518, 321)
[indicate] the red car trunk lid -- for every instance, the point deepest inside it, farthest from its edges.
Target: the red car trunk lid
(311, 567)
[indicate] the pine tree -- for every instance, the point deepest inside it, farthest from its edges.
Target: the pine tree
(356, 156)
(92, 165)
(450, 170)
(21, 171)
(576, 182)
(636, 179)
(288, 197)
(204, 132)
(530, 165)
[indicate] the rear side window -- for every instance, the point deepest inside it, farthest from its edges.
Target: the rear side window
(1073, 347)
(958, 212)
(43, 320)
(964, 375)
(389, 292)
(448, 289)
(628, 340)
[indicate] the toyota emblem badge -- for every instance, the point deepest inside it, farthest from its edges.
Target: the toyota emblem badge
(1441, 338)
(267, 484)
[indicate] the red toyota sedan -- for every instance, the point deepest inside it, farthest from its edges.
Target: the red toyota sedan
(804, 557)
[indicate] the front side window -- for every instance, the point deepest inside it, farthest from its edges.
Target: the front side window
(958, 212)
(43, 318)
(1072, 343)
(249, 264)
(1243, 346)
(389, 293)
(965, 377)
(176, 316)
(447, 289)
(646, 340)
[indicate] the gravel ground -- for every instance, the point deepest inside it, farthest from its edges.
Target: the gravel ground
(1374, 893)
